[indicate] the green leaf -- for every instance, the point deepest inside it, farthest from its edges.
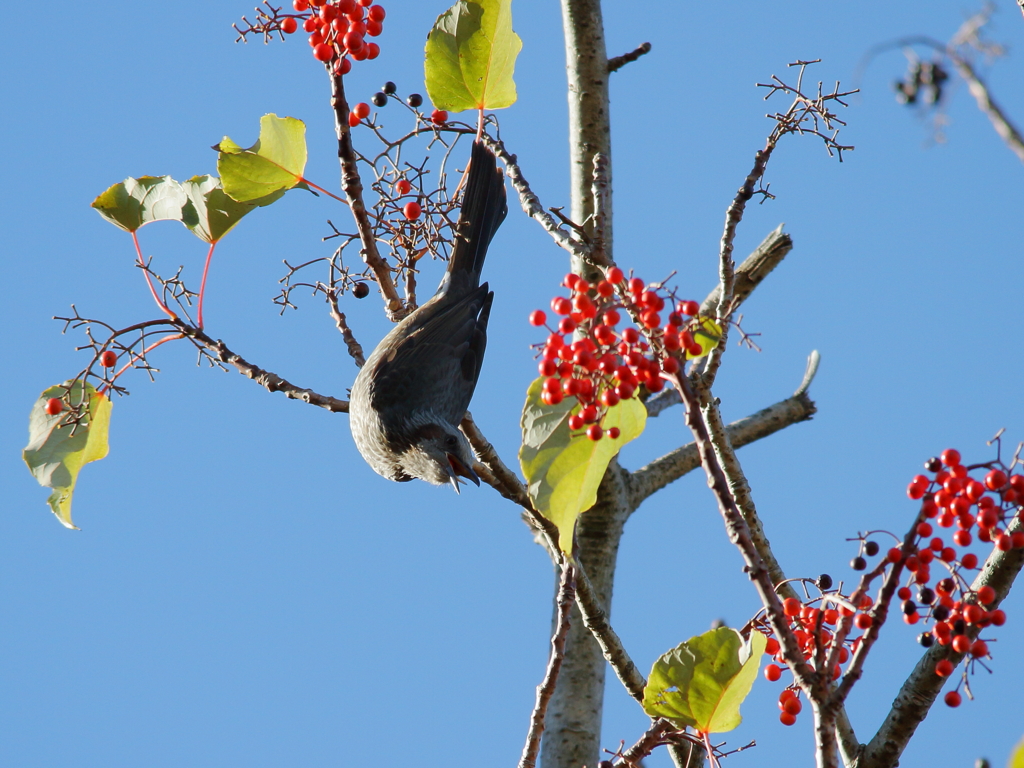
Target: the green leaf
(216, 214)
(57, 450)
(135, 202)
(702, 682)
(1017, 756)
(562, 471)
(471, 56)
(708, 334)
(273, 164)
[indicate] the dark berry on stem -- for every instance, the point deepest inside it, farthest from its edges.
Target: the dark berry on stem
(379, 99)
(871, 548)
(360, 290)
(926, 639)
(824, 582)
(933, 464)
(389, 87)
(414, 100)
(940, 613)
(858, 563)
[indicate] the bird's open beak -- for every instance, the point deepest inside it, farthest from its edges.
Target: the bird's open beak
(460, 470)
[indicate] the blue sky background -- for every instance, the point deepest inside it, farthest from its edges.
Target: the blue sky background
(245, 591)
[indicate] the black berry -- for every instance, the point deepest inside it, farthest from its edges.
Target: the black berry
(360, 290)
(824, 582)
(933, 464)
(858, 563)
(871, 548)
(389, 87)
(414, 100)
(927, 639)
(926, 595)
(379, 99)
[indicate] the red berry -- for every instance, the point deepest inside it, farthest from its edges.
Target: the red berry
(979, 648)
(787, 719)
(613, 433)
(690, 308)
(353, 41)
(376, 12)
(300, 5)
(995, 479)
(614, 275)
(944, 668)
(343, 66)
(310, 24)
(54, 406)
(372, 51)
(561, 305)
(439, 117)
(412, 210)
(952, 699)
(791, 606)
(771, 647)
(537, 317)
(950, 457)
(792, 705)
(403, 187)
(772, 673)
(108, 358)
(636, 285)
(961, 643)
(289, 25)
(863, 621)
(575, 422)
(361, 110)
(323, 52)
(1004, 543)
(986, 595)
(998, 617)
(594, 432)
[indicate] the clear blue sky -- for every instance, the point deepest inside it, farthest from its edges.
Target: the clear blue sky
(245, 591)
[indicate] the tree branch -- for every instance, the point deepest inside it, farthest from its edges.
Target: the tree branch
(651, 478)
(1007, 130)
(618, 62)
(269, 381)
(922, 687)
(563, 605)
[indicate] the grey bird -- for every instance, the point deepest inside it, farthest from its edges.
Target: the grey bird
(412, 392)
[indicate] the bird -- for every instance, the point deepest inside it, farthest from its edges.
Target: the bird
(412, 392)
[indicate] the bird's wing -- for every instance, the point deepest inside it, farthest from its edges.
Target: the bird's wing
(435, 367)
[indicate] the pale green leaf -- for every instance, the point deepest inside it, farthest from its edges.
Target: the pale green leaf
(471, 56)
(702, 682)
(563, 472)
(57, 450)
(216, 214)
(272, 165)
(135, 202)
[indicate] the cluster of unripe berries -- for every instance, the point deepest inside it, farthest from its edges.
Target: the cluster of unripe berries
(337, 29)
(605, 365)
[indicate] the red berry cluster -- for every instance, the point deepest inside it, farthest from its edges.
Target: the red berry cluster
(951, 498)
(813, 626)
(337, 29)
(603, 365)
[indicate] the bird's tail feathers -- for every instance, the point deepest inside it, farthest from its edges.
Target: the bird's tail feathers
(483, 210)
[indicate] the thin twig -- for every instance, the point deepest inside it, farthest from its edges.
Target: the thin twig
(618, 62)
(563, 606)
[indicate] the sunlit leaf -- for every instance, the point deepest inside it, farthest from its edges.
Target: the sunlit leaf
(1017, 756)
(702, 682)
(273, 164)
(471, 56)
(135, 202)
(563, 472)
(57, 450)
(707, 335)
(216, 214)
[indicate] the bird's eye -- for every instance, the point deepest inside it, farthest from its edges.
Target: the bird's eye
(450, 441)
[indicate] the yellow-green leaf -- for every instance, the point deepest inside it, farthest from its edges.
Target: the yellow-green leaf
(702, 682)
(707, 335)
(216, 214)
(273, 164)
(563, 472)
(1017, 756)
(58, 449)
(134, 202)
(471, 56)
